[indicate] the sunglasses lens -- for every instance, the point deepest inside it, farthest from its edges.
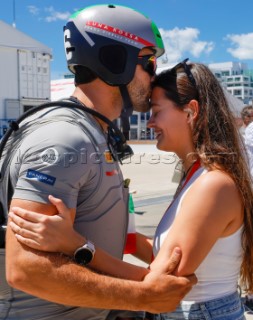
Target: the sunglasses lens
(149, 64)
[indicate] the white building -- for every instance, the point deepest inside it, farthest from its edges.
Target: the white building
(25, 73)
(236, 78)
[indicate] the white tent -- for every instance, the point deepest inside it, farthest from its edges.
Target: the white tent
(235, 104)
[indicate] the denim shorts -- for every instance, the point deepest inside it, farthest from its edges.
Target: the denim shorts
(228, 307)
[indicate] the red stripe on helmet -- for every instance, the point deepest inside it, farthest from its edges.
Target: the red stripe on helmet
(119, 32)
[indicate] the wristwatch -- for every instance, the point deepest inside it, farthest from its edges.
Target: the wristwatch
(85, 254)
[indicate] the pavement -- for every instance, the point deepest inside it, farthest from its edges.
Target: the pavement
(153, 183)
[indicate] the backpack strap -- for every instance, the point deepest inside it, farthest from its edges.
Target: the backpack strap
(72, 102)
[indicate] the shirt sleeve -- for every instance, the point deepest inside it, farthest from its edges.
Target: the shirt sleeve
(53, 160)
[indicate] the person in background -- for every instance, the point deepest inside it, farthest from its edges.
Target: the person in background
(247, 118)
(73, 154)
(248, 136)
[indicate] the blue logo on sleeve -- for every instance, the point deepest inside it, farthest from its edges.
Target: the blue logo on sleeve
(42, 177)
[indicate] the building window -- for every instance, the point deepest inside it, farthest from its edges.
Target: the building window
(229, 79)
(237, 92)
(133, 134)
(143, 116)
(237, 78)
(134, 119)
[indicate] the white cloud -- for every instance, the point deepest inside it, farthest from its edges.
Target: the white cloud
(56, 15)
(242, 45)
(52, 14)
(179, 42)
(33, 10)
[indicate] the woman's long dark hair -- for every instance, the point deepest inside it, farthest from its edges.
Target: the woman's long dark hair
(216, 140)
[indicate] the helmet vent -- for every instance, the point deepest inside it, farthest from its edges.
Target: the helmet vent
(111, 6)
(114, 58)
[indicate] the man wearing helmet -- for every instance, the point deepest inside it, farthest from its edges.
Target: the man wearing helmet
(112, 51)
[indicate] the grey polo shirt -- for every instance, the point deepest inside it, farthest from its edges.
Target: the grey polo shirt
(64, 153)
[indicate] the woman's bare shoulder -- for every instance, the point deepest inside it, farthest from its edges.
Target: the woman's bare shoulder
(216, 180)
(216, 192)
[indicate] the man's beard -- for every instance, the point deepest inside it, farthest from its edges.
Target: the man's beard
(140, 99)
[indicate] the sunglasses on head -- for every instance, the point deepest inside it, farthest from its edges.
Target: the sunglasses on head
(148, 63)
(187, 70)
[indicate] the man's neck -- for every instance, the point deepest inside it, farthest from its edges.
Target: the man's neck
(102, 124)
(103, 98)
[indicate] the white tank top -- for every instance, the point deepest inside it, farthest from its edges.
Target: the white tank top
(219, 271)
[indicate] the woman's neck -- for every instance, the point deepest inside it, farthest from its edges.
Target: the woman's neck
(189, 160)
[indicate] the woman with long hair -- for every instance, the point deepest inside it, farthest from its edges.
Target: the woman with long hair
(210, 217)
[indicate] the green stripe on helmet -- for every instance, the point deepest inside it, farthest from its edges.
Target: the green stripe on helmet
(158, 37)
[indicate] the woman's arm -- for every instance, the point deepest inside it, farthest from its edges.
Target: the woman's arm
(211, 209)
(144, 248)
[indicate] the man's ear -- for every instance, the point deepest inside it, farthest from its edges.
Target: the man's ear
(192, 109)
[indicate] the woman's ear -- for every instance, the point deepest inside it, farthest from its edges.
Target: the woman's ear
(192, 109)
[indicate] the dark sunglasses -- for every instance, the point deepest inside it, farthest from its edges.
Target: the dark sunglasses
(148, 63)
(187, 70)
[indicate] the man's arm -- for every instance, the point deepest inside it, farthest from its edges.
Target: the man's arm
(56, 234)
(49, 276)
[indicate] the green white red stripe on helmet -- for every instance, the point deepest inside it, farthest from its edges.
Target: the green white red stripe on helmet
(118, 32)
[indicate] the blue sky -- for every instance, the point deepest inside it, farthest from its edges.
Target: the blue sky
(203, 30)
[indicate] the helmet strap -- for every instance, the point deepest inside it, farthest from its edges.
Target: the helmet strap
(127, 109)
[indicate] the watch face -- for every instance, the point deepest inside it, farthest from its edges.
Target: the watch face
(83, 256)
